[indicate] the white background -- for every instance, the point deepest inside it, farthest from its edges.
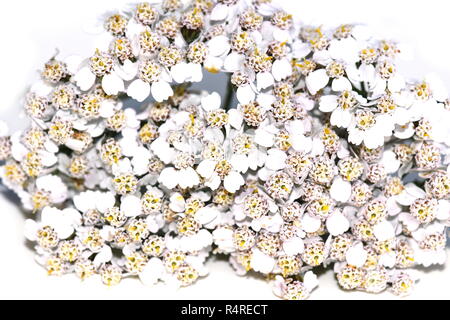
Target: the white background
(31, 30)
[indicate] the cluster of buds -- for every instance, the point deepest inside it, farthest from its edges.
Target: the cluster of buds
(329, 158)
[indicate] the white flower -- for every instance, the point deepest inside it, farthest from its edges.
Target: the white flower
(232, 181)
(94, 200)
(185, 178)
(186, 72)
(346, 50)
(62, 221)
(54, 186)
(372, 137)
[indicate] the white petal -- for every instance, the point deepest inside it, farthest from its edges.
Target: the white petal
(138, 90)
(206, 214)
(264, 138)
(85, 79)
(264, 80)
(341, 190)
(177, 202)
(180, 72)
(213, 182)
(437, 86)
(220, 12)
(239, 162)
(281, 69)
(301, 143)
(261, 262)
(443, 210)
(235, 118)
(104, 201)
(73, 63)
(337, 223)
(161, 91)
(188, 178)
(310, 281)
(169, 178)
(310, 224)
(276, 159)
(233, 62)
(218, 46)
(300, 49)
(233, 182)
(112, 84)
(356, 256)
(245, 94)
(341, 84)
(384, 231)
(396, 83)
(152, 272)
(127, 71)
(41, 88)
(390, 162)
(328, 103)
(211, 102)
(195, 71)
(341, 118)
(293, 246)
(206, 168)
(317, 80)
(387, 259)
(107, 109)
(105, 255)
(131, 206)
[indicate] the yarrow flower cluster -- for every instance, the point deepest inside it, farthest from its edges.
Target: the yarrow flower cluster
(330, 158)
